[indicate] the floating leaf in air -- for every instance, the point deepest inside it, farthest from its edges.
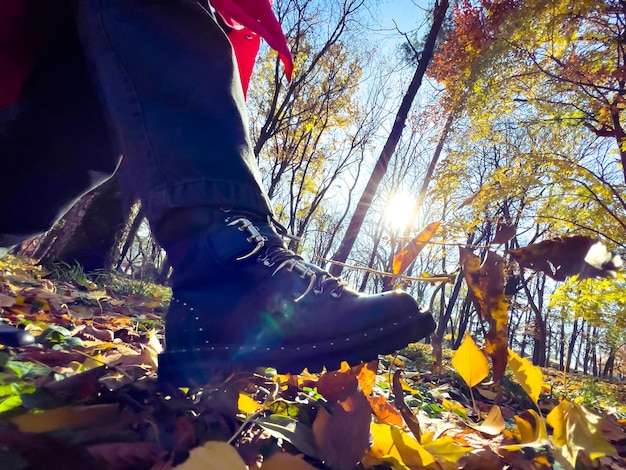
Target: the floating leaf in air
(567, 256)
(504, 233)
(486, 283)
(576, 429)
(404, 258)
(528, 375)
(470, 362)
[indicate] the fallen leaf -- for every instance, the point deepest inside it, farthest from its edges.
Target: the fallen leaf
(494, 422)
(577, 429)
(66, 417)
(247, 405)
(385, 411)
(409, 417)
(127, 455)
(213, 455)
(342, 435)
(532, 434)
(528, 375)
(444, 447)
(470, 362)
(394, 445)
(285, 461)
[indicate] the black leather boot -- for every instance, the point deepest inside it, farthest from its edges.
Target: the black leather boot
(242, 299)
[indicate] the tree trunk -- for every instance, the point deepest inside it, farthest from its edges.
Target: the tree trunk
(570, 345)
(354, 227)
(88, 231)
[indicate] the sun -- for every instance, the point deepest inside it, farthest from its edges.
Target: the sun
(399, 210)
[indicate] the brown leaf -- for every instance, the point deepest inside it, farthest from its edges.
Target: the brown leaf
(402, 260)
(127, 456)
(409, 417)
(338, 385)
(566, 256)
(504, 233)
(342, 436)
(486, 283)
(42, 451)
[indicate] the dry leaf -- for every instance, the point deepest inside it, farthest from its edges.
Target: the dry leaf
(576, 429)
(285, 461)
(503, 234)
(528, 375)
(394, 445)
(494, 422)
(342, 436)
(402, 260)
(567, 256)
(66, 417)
(470, 362)
(213, 456)
(486, 283)
(385, 411)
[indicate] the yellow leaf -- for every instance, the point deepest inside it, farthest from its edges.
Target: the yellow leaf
(486, 282)
(213, 456)
(393, 444)
(66, 417)
(445, 448)
(529, 376)
(494, 422)
(285, 461)
(530, 436)
(247, 405)
(575, 428)
(402, 260)
(453, 405)
(470, 362)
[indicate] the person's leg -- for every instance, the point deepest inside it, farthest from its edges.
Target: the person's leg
(167, 77)
(54, 144)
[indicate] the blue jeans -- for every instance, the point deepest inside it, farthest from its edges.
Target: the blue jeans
(152, 80)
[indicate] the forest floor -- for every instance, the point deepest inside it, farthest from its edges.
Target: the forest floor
(86, 395)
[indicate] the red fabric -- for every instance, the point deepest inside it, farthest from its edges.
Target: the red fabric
(258, 17)
(248, 19)
(246, 46)
(17, 49)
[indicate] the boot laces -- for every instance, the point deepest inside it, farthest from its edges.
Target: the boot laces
(319, 280)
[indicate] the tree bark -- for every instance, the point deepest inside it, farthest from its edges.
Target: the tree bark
(354, 227)
(87, 233)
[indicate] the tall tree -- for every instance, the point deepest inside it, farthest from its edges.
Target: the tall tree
(382, 162)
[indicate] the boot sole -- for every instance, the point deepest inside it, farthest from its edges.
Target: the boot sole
(197, 366)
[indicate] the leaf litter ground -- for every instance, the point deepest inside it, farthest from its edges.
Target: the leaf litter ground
(85, 395)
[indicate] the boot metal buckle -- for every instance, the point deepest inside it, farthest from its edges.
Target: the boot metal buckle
(255, 236)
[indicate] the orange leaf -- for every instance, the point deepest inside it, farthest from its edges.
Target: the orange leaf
(403, 259)
(385, 411)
